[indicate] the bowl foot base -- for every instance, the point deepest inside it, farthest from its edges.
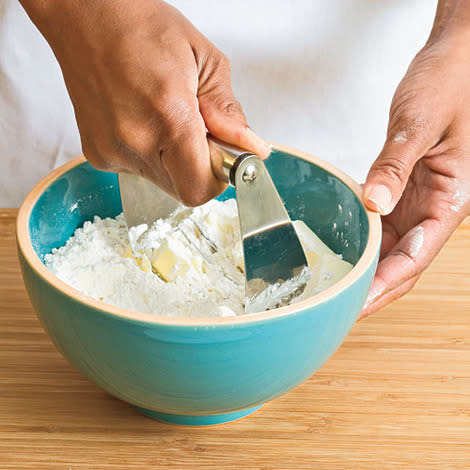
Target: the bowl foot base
(204, 420)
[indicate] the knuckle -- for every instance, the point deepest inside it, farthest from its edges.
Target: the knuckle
(394, 168)
(174, 110)
(133, 138)
(167, 92)
(218, 87)
(191, 196)
(94, 156)
(165, 96)
(219, 61)
(231, 106)
(409, 123)
(409, 257)
(410, 119)
(125, 135)
(227, 104)
(176, 128)
(105, 156)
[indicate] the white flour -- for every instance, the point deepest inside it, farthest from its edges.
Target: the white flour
(190, 264)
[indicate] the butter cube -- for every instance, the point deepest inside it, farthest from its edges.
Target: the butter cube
(221, 229)
(332, 269)
(171, 259)
(325, 265)
(140, 258)
(309, 240)
(312, 258)
(237, 255)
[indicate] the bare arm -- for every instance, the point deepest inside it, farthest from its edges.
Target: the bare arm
(145, 85)
(420, 182)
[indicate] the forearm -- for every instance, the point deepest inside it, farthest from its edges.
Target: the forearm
(60, 21)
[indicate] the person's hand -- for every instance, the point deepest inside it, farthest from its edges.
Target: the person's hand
(420, 182)
(145, 86)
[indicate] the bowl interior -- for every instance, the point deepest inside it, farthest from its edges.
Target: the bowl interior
(310, 193)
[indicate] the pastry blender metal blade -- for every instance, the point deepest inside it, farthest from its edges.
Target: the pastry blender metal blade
(276, 268)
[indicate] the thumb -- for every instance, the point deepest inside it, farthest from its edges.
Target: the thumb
(389, 174)
(223, 114)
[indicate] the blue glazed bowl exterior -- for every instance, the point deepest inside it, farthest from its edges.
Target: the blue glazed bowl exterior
(198, 367)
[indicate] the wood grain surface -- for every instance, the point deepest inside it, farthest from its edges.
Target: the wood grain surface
(395, 395)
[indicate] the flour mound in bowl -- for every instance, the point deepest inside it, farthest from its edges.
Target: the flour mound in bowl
(188, 265)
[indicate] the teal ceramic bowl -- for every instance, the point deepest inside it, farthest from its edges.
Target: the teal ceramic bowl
(198, 371)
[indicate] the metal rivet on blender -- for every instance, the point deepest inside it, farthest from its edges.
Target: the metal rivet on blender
(249, 174)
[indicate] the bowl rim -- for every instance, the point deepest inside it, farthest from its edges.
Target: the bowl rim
(367, 258)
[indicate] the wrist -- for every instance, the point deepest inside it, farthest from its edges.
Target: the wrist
(41, 11)
(452, 22)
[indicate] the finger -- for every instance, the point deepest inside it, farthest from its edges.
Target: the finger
(375, 303)
(409, 257)
(94, 150)
(223, 114)
(184, 154)
(407, 141)
(137, 145)
(390, 238)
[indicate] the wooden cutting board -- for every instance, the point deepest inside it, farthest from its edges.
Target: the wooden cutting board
(395, 395)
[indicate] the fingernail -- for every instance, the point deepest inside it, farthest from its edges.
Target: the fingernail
(380, 198)
(261, 144)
